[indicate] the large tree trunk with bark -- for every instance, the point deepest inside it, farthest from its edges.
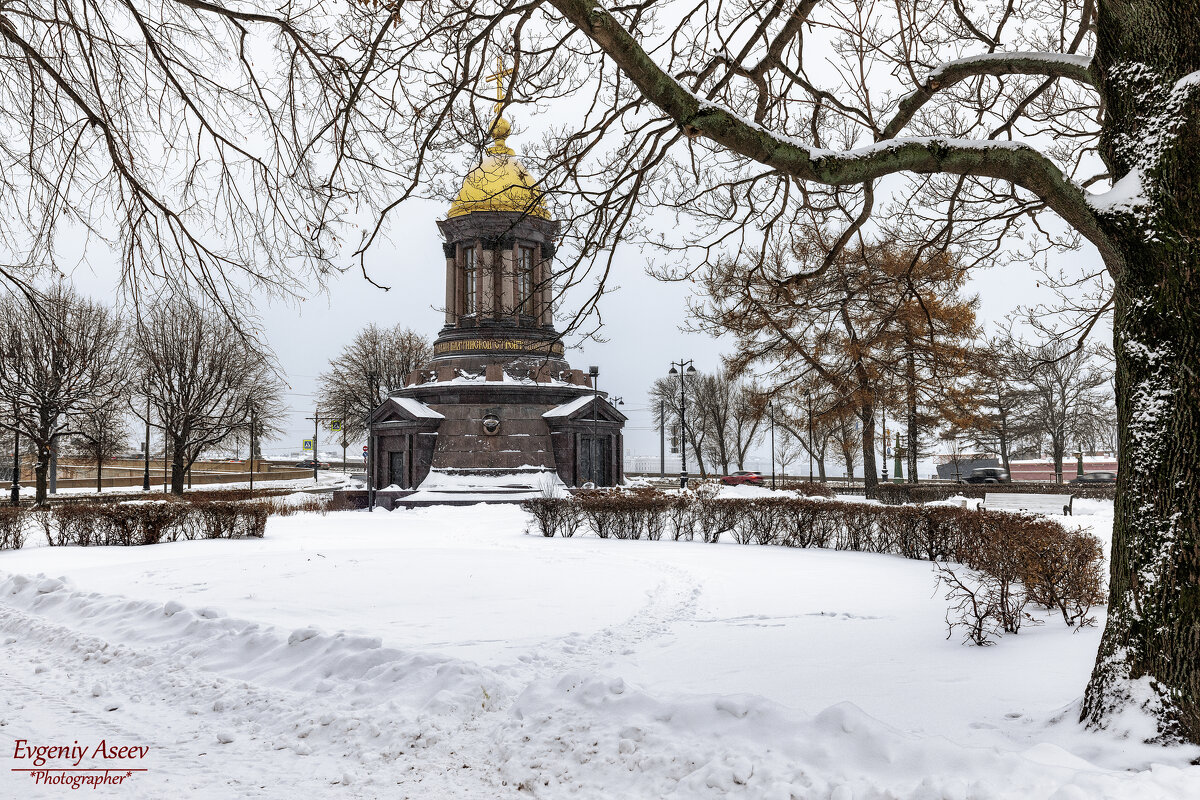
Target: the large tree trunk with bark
(1150, 654)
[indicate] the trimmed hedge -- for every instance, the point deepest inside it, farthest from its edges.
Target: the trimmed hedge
(138, 523)
(895, 494)
(1013, 559)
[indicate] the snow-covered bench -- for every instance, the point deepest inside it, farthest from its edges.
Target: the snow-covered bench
(1032, 503)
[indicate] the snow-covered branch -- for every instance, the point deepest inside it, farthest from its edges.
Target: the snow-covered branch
(1015, 163)
(1050, 65)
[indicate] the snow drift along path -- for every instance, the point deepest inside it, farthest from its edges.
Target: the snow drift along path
(442, 653)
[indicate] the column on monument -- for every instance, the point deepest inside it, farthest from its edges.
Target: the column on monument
(545, 284)
(487, 282)
(508, 279)
(451, 283)
(460, 282)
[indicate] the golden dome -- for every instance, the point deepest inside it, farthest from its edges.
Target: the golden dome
(500, 183)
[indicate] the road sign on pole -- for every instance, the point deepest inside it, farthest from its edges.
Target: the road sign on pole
(308, 445)
(335, 425)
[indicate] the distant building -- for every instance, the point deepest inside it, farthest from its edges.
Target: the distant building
(1042, 469)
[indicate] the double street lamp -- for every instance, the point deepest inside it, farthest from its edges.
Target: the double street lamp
(685, 368)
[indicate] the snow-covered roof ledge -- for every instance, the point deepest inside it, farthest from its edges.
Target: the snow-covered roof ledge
(578, 404)
(416, 408)
(567, 409)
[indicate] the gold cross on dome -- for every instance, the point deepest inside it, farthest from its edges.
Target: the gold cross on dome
(498, 79)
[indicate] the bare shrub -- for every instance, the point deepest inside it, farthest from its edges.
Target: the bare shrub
(899, 530)
(601, 513)
(717, 516)
(553, 515)
(812, 489)
(974, 605)
(12, 527)
(758, 522)
(141, 523)
(286, 507)
(74, 523)
(652, 512)
(856, 530)
(1000, 555)
(682, 515)
(1063, 570)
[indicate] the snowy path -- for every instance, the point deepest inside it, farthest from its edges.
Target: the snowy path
(445, 654)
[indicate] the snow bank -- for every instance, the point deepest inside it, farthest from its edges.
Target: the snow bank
(737, 671)
(579, 733)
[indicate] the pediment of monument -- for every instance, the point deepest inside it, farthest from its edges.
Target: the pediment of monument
(404, 409)
(580, 410)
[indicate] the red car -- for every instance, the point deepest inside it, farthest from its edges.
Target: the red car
(738, 478)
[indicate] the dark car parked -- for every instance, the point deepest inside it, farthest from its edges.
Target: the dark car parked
(988, 475)
(309, 464)
(1092, 478)
(737, 478)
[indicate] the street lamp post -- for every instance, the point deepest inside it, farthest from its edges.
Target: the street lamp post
(594, 450)
(685, 368)
(884, 469)
(662, 440)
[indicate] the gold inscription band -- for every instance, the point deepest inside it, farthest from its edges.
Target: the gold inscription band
(494, 345)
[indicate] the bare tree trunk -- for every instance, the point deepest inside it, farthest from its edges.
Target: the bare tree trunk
(178, 465)
(870, 472)
(1057, 449)
(41, 474)
(99, 474)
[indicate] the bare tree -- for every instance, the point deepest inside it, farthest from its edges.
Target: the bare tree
(101, 432)
(359, 378)
(1063, 394)
(203, 143)
(991, 405)
(201, 377)
(788, 450)
(693, 428)
(747, 421)
(725, 417)
(60, 354)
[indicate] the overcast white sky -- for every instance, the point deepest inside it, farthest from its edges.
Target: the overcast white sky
(643, 318)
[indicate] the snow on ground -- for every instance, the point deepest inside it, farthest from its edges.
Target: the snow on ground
(445, 653)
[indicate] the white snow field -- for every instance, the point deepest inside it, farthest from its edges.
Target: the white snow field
(446, 653)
